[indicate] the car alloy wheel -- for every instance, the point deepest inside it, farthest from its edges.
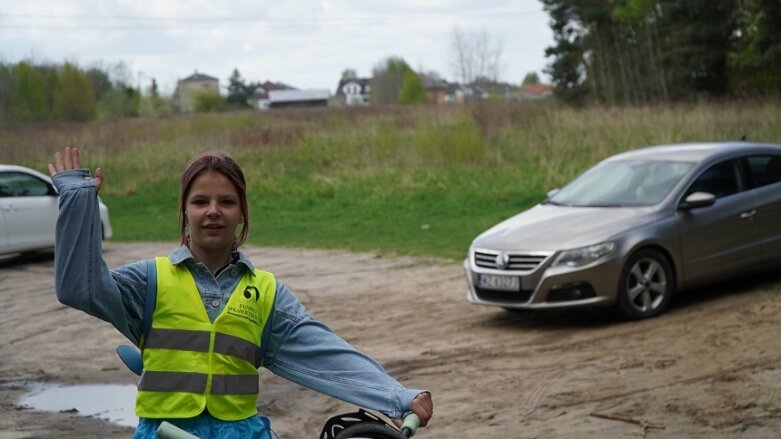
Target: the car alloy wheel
(647, 283)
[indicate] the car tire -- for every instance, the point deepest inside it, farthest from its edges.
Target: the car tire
(646, 286)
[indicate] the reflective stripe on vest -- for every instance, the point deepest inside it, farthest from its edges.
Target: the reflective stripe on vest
(196, 383)
(198, 341)
(191, 363)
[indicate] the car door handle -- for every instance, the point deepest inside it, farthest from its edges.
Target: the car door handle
(749, 215)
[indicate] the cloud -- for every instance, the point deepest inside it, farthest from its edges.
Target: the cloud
(305, 43)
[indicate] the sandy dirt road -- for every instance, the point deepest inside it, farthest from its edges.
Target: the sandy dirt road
(709, 368)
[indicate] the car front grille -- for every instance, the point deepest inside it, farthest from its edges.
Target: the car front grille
(518, 261)
(517, 297)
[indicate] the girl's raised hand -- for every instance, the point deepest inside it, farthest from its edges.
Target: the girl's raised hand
(70, 159)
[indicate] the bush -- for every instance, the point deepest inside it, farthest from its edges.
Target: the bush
(74, 99)
(209, 102)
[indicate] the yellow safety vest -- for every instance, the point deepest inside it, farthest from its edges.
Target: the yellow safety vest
(191, 363)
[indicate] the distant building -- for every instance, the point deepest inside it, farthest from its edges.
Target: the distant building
(456, 93)
(436, 88)
(486, 88)
(260, 98)
(353, 91)
(188, 88)
(298, 98)
(536, 91)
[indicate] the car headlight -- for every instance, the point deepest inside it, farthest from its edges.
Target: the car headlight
(584, 255)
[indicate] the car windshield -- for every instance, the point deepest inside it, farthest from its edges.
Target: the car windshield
(622, 183)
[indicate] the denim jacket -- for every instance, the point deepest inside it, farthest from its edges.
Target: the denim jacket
(295, 345)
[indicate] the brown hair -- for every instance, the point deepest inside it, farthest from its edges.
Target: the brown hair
(223, 163)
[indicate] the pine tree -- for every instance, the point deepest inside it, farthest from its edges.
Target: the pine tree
(238, 91)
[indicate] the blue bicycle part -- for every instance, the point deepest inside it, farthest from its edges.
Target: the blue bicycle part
(131, 356)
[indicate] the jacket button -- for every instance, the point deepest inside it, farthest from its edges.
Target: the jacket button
(215, 303)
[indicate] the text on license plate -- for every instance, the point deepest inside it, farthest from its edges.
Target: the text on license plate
(493, 282)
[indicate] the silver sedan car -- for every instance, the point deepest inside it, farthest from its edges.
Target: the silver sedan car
(28, 211)
(634, 229)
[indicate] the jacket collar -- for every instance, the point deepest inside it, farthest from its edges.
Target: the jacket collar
(183, 254)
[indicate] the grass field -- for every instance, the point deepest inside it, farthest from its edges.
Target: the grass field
(409, 180)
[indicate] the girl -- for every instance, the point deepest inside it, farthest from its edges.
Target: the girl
(215, 317)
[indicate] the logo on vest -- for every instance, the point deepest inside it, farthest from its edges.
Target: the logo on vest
(247, 309)
(251, 291)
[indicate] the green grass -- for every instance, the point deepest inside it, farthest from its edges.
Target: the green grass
(410, 180)
(420, 214)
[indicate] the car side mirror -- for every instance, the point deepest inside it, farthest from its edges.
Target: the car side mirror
(698, 199)
(550, 194)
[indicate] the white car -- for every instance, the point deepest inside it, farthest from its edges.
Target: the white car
(29, 209)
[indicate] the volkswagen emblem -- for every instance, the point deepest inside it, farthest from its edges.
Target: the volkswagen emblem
(502, 260)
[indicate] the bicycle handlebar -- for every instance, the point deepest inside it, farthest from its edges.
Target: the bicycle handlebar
(410, 425)
(170, 431)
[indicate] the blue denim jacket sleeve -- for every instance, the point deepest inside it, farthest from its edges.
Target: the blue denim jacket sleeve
(306, 351)
(81, 277)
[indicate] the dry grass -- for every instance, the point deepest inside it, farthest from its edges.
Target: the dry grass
(542, 138)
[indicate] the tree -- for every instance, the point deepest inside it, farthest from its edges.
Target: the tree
(74, 98)
(412, 91)
(119, 102)
(100, 80)
(116, 92)
(6, 91)
(52, 77)
(755, 62)
(636, 51)
(349, 73)
(475, 55)
(152, 104)
(30, 92)
(698, 34)
(121, 74)
(531, 78)
(238, 91)
(386, 81)
(393, 81)
(567, 69)
(153, 89)
(768, 38)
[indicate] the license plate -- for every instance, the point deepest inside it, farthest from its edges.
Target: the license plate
(493, 282)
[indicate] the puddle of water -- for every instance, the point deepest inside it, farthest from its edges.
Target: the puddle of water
(112, 402)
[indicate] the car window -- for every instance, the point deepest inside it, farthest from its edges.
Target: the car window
(18, 184)
(721, 179)
(764, 169)
(623, 183)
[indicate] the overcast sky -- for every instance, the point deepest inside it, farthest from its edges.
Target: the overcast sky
(304, 43)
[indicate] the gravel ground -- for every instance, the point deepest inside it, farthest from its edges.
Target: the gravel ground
(710, 367)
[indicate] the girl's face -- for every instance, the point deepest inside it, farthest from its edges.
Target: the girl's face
(213, 213)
